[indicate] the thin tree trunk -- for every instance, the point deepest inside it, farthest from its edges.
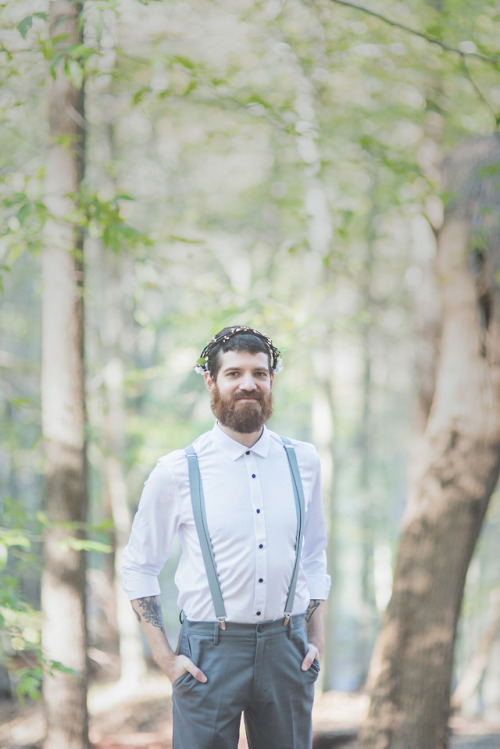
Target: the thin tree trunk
(480, 661)
(367, 511)
(324, 430)
(319, 234)
(412, 675)
(132, 662)
(63, 405)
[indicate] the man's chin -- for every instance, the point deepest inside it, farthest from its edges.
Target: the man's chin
(248, 429)
(243, 427)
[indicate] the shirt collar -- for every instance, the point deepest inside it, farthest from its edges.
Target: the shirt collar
(235, 449)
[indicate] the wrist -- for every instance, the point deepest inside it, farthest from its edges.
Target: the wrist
(164, 656)
(318, 646)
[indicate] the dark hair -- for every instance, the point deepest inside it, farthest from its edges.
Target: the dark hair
(236, 338)
(238, 342)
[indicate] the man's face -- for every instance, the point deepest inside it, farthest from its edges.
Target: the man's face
(242, 393)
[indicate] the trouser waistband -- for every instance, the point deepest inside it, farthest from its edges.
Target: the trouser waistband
(238, 629)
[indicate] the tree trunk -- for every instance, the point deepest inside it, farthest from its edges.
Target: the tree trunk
(324, 430)
(63, 404)
(410, 701)
(132, 662)
(479, 663)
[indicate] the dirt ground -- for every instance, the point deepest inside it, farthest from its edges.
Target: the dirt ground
(139, 717)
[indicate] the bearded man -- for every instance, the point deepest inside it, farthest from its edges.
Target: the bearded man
(246, 505)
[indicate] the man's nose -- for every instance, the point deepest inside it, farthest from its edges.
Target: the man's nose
(248, 382)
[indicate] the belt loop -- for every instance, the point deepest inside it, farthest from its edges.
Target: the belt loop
(182, 616)
(216, 633)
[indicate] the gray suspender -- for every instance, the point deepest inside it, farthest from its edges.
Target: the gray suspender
(298, 492)
(200, 519)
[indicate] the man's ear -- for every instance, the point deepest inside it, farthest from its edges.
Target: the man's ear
(209, 381)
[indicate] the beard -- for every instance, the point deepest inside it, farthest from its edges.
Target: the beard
(246, 417)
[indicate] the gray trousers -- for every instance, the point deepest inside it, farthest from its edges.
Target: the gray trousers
(252, 669)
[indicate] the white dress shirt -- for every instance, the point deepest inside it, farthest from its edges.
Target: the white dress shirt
(252, 521)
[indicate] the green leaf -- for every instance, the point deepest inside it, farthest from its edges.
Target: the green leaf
(185, 240)
(47, 47)
(29, 686)
(42, 518)
(27, 23)
(81, 544)
(74, 71)
(58, 666)
(4, 554)
(491, 170)
(18, 402)
(15, 539)
(104, 525)
(80, 52)
(23, 212)
(140, 94)
(30, 681)
(184, 61)
(31, 635)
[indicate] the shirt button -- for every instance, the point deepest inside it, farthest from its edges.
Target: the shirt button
(258, 613)
(261, 546)
(261, 579)
(253, 476)
(258, 512)
(247, 452)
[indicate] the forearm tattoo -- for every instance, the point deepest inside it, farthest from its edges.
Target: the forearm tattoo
(313, 605)
(150, 611)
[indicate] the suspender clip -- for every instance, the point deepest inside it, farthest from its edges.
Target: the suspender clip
(222, 622)
(286, 620)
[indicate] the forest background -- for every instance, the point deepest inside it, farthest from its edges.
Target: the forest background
(271, 163)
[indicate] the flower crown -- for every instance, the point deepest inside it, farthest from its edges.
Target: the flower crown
(223, 336)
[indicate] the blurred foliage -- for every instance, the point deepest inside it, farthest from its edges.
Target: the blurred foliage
(20, 622)
(260, 162)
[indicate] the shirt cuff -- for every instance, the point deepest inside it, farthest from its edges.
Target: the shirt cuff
(318, 586)
(140, 585)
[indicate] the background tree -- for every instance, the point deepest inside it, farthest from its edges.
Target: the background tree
(64, 636)
(410, 698)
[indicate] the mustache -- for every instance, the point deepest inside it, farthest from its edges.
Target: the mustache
(249, 396)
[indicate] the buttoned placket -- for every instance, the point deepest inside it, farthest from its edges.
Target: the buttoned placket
(257, 503)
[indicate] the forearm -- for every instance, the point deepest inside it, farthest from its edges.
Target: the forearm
(315, 628)
(148, 612)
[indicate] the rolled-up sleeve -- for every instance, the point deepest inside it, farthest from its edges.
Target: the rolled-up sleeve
(152, 534)
(315, 542)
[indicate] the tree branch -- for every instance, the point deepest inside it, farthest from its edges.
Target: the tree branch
(415, 32)
(496, 115)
